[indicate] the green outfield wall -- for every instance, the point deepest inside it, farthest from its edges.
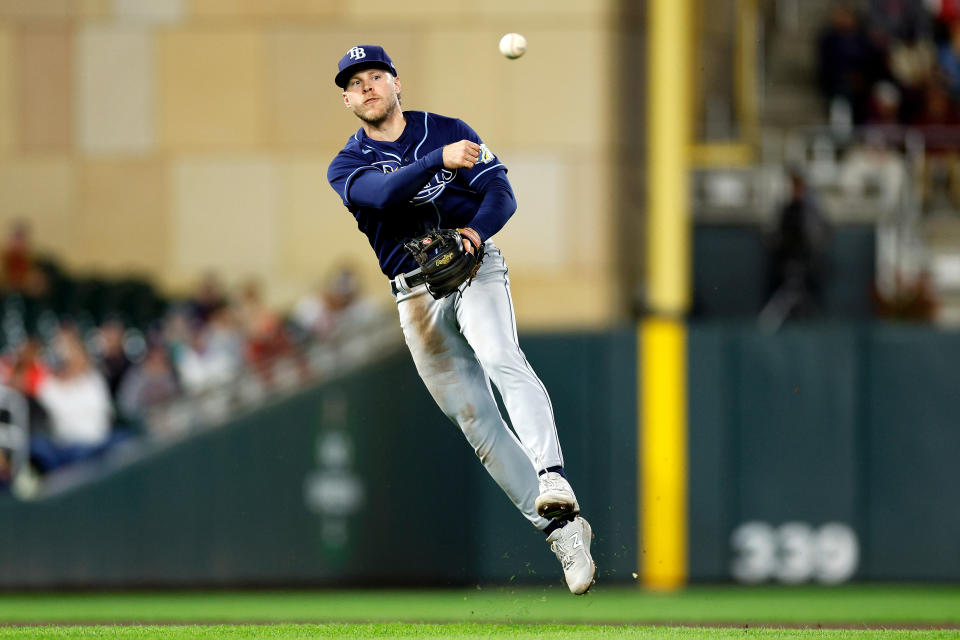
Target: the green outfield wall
(824, 453)
(362, 481)
(820, 453)
(731, 262)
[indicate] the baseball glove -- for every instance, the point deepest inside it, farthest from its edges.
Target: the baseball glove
(444, 264)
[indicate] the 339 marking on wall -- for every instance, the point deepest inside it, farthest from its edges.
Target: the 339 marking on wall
(794, 552)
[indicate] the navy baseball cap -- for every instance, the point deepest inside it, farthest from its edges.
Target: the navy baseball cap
(362, 56)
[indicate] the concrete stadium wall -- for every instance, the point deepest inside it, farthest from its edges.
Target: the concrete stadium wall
(175, 136)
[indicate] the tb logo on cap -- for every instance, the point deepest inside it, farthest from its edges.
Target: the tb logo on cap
(357, 53)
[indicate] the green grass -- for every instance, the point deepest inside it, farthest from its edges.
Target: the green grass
(810, 605)
(497, 612)
(468, 630)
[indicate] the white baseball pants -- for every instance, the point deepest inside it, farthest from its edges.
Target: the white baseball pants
(459, 345)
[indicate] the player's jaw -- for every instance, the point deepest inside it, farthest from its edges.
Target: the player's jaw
(375, 110)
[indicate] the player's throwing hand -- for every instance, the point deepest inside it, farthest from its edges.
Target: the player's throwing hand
(461, 155)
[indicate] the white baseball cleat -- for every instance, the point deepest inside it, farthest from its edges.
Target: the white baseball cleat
(556, 499)
(571, 544)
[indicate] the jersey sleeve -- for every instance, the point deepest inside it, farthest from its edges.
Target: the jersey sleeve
(497, 206)
(344, 168)
(488, 164)
(357, 186)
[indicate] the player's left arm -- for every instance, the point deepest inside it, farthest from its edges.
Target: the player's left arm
(488, 177)
(497, 206)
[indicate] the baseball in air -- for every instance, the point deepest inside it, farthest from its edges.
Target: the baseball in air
(513, 45)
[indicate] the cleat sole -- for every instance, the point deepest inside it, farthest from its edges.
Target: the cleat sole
(558, 512)
(549, 509)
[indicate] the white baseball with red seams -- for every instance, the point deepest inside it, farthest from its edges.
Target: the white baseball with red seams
(513, 45)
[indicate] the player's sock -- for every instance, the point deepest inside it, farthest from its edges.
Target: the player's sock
(554, 525)
(556, 469)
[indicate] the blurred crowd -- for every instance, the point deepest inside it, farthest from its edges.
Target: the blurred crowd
(897, 62)
(90, 382)
(892, 68)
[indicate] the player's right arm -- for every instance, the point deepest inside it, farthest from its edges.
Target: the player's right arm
(361, 184)
(364, 185)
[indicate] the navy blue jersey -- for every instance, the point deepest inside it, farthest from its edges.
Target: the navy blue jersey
(399, 190)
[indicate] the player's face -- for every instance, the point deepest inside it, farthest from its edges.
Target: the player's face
(372, 95)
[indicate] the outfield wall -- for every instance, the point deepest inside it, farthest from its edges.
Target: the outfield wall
(362, 481)
(818, 453)
(796, 432)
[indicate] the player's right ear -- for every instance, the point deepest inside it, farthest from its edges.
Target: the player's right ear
(346, 100)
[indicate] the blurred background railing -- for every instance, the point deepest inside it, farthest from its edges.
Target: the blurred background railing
(102, 371)
(304, 362)
(895, 183)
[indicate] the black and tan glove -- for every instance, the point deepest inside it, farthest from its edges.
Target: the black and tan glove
(444, 262)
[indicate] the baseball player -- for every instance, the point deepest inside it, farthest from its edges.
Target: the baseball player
(409, 173)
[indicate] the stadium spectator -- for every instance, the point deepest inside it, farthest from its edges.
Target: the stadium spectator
(912, 61)
(338, 303)
(21, 275)
(875, 172)
(76, 397)
(884, 107)
(798, 249)
(948, 58)
(849, 62)
(177, 331)
(945, 11)
(17, 258)
(209, 297)
(262, 326)
(912, 299)
(148, 384)
(208, 362)
(24, 370)
(226, 336)
(938, 110)
(112, 357)
(6, 470)
(894, 18)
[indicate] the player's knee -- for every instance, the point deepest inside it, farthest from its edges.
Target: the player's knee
(501, 359)
(474, 430)
(466, 418)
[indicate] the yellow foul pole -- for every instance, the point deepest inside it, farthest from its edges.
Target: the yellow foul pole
(662, 335)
